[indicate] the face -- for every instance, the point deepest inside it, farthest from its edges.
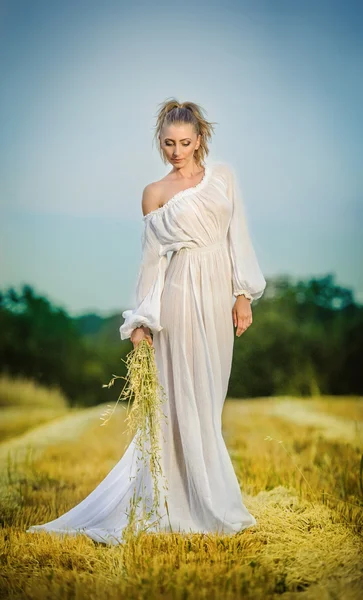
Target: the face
(179, 141)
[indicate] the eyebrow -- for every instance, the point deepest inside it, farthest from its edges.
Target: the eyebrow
(171, 140)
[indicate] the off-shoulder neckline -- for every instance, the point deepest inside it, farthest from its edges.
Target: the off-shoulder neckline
(186, 192)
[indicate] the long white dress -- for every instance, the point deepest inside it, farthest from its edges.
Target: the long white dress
(187, 303)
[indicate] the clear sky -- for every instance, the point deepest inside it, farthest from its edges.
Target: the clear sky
(80, 85)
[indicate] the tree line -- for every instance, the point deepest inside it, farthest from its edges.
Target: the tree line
(306, 339)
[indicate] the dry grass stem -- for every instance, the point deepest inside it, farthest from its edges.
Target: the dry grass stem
(145, 397)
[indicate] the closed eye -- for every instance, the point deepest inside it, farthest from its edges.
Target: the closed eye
(187, 144)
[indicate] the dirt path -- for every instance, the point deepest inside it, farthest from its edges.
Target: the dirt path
(302, 412)
(61, 429)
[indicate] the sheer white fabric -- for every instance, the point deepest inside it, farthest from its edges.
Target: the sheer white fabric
(149, 286)
(187, 303)
(247, 277)
(161, 233)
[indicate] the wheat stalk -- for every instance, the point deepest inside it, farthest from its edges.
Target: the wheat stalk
(144, 418)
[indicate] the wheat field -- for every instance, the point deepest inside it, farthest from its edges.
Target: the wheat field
(299, 464)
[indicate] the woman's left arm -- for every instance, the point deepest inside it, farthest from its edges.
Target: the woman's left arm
(247, 277)
(248, 282)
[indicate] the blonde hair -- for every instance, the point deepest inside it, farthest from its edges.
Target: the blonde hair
(171, 111)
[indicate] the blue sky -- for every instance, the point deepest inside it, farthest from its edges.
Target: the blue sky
(81, 82)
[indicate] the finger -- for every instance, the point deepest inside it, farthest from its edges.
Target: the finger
(243, 324)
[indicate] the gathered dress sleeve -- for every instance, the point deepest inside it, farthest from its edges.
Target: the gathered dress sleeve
(247, 277)
(149, 286)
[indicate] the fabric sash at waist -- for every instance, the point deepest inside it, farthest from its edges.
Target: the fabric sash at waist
(198, 249)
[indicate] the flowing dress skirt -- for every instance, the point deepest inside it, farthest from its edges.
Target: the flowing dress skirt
(193, 353)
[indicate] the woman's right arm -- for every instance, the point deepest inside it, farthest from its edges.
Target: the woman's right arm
(151, 276)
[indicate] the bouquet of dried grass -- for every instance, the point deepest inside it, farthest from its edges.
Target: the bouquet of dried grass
(144, 417)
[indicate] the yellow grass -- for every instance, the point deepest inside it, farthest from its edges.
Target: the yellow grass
(302, 487)
(351, 408)
(25, 404)
(26, 393)
(335, 419)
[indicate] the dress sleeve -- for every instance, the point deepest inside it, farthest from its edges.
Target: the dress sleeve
(247, 277)
(149, 286)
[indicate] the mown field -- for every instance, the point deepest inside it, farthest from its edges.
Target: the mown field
(299, 464)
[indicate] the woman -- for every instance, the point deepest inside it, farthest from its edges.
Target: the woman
(184, 308)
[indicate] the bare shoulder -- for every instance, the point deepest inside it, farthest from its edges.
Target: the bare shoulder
(154, 193)
(150, 197)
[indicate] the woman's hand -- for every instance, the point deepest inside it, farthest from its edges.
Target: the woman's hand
(242, 314)
(141, 333)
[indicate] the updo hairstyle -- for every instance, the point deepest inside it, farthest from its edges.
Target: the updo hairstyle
(172, 112)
